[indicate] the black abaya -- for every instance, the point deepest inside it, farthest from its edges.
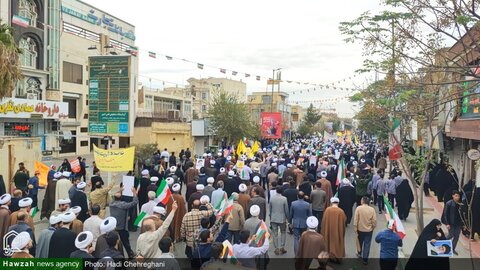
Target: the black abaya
(404, 198)
(347, 196)
(419, 258)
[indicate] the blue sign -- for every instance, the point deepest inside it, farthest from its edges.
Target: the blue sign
(123, 128)
(99, 20)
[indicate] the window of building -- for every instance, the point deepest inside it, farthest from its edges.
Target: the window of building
(83, 129)
(28, 10)
(148, 103)
(28, 58)
(204, 96)
(18, 129)
(204, 108)
(72, 107)
(295, 117)
(72, 73)
(69, 146)
(267, 99)
(187, 106)
(83, 143)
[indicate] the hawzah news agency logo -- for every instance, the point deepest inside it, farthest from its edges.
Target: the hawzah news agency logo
(7, 240)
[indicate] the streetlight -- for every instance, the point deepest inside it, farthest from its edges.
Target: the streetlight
(273, 85)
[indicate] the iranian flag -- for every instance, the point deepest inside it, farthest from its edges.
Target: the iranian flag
(20, 21)
(163, 192)
(33, 211)
(224, 207)
(227, 252)
(152, 54)
(341, 172)
(391, 215)
(395, 150)
(262, 234)
(139, 219)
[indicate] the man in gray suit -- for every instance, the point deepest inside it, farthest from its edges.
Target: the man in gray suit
(299, 212)
(278, 218)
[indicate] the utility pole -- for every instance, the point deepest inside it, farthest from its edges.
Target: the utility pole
(273, 85)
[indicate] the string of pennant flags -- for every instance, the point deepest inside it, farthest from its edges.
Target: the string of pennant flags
(333, 86)
(320, 100)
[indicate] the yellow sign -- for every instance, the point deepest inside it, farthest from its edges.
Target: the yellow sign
(117, 160)
(43, 170)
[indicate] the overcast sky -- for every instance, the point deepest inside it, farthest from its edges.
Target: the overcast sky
(254, 37)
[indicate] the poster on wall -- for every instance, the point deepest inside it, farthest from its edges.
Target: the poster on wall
(271, 125)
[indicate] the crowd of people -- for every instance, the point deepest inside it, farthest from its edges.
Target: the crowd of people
(290, 187)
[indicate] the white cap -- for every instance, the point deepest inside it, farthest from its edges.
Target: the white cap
(66, 174)
(222, 170)
(25, 202)
(204, 154)
(173, 169)
(275, 159)
(54, 219)
(244, 158)
(242, 187)
(219, 154)
(76, 209)
(292, 161)
(5, 198)
(20, 241)
(231, 173)
(274, 164)
(108, 225)
(312, 222)
(64, 201)
(352, 158)
(362, 160)
(57, 175)
(67, 217)
(255, 210)
(83, 239)
(256, 179)
(229, 158)
(176, 187)
(204, 199)
(200, 187)
(154, 179)
(81, 185)
(145, 172)
(323, 174)
(390, 224)
(289, 165)
(334, 200)
(170, 181)
(212, 162)
(355, 163)
(209, 154)
(210, 180)
(159, 210)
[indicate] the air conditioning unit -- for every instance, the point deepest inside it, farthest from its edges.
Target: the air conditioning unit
(31, 96)
(173, 115)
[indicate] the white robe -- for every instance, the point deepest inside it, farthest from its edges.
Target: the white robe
(61, 191)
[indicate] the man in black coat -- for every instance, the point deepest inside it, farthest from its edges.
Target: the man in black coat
(231, 183)
(143, 192)
(62, 243)
(83, 242)
(80, 199)
(291, 193)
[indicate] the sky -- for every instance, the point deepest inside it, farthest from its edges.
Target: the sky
(254, 37)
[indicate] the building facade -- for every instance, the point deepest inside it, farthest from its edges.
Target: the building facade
(87, 32)
(203, 91)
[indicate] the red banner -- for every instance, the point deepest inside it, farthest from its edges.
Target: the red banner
(271, 125)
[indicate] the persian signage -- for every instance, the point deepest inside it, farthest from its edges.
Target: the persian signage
(109, 92)
(30, 108)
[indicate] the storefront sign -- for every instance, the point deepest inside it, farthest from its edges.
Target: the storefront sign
(470, 101)
(109, 92)
(100, 20)
(29, 108)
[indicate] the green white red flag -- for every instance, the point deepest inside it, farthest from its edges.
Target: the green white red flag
(139, 218)
(395, 150)
(227, 252)
(224, 206)
(163, 192)
(391, 215)
(262, 234)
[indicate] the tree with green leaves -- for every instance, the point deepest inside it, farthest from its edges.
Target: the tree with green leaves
(409, 42)
(10, 71)
(230, 118)
(312, 116)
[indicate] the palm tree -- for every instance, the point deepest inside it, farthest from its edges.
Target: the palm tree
(10, 71)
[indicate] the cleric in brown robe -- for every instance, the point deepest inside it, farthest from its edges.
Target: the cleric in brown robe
(49, 203)
(333, 230)
(244, 198)
(327, 187)
(181, 211)
(311, 244)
